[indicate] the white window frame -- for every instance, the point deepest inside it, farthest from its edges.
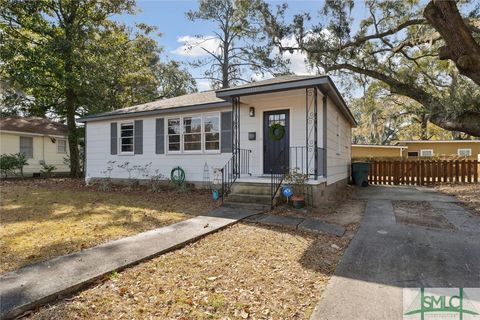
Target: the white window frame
(58, 145)
(202, 134)
(120, 138)
(422, 150)
(464, 149)
(183, 133)
(167, 144)
(204, 140)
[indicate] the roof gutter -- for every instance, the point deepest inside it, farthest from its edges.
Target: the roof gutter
(195, 107)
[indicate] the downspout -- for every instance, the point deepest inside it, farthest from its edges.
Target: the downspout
(324, 100)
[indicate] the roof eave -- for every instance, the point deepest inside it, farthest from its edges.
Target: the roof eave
(194, 107)
(291, 85)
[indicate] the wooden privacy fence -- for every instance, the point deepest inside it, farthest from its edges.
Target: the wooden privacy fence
(423, 172)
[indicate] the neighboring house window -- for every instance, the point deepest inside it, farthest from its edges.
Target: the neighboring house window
(26, 146)
(211, 129)
(412, 153)
(126, 137)
(61, 146)
(194, 133)
(464, 152)
(426, 153)
(173, 134)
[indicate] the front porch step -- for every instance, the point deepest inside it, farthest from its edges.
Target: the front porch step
(263, 199)
(251, 188)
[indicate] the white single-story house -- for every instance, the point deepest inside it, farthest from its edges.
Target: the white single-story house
(41, 140)
(252, 131)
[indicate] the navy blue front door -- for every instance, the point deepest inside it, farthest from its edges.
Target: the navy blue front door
(276, 151)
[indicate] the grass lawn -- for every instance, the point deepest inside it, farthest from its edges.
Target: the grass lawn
(41, 219)
(244, 272)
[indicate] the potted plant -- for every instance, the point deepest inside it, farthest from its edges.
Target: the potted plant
(298, 180)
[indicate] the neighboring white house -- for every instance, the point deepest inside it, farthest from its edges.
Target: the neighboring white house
(258, 128)
(41, 140)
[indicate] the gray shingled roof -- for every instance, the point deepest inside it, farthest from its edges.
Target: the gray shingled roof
(209, 98)
(192, 99)
(33, 125)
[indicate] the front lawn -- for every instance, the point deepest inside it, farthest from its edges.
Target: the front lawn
(244, 272)
(41, 219)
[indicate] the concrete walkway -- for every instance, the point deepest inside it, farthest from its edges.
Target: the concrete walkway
(385, 257)
(40, 283)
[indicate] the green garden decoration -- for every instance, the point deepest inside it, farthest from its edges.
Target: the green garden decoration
(276, 131)
(177, 175)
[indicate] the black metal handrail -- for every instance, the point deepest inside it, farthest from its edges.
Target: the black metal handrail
(308, 160)
(276, 180)
(238, 164)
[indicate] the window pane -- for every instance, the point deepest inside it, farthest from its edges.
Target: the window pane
(127, 140)
(26, 146)
(212, 137)
(174, 138)
(190, 146)
(192, 124)
(62, 146)
(192, 138)
(212, 123)
(212, 145)
(174, 126)
(127, 148)
(174, 147)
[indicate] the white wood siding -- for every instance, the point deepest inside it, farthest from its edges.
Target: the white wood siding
(98, 152)
(338, 144)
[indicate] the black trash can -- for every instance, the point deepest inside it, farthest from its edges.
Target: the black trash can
(360, 173)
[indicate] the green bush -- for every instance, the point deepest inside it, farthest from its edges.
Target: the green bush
(11, 163)
(47, 170)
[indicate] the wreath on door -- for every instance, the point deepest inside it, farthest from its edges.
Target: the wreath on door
(276, 131)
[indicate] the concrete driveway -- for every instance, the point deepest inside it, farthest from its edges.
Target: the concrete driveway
(385, 257)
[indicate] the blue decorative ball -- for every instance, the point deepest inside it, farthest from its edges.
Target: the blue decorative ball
(287, 191)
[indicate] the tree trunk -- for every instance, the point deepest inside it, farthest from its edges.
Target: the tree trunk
(460, 47)
(75, 171)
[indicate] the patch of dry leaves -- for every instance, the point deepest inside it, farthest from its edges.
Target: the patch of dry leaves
(420, 213)
(244, 272)
(44, 218)
(469, 194)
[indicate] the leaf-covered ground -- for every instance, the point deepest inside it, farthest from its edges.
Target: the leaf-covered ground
(469, 194)
(244, 272)
(41, 219)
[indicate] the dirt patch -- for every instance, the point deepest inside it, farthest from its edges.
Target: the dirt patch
(342, 210)
(244, 272)
(469, 194)
(420, 213)
(45, 218)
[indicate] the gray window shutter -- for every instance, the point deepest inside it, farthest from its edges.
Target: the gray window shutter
(113, 138)
(160, 136)
(226, 132)
(138, 139)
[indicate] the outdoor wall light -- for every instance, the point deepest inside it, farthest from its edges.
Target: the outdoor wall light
(252, 136)
(251, 113)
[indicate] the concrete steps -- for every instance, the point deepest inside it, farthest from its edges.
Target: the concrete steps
(249, 195)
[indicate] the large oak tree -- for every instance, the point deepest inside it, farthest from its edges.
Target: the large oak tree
(398, 46)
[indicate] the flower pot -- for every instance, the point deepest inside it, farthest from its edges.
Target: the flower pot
(298, 202)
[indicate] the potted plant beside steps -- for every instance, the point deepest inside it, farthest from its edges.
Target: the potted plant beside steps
(297, 180)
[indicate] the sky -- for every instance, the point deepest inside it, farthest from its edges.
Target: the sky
(169, 17)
